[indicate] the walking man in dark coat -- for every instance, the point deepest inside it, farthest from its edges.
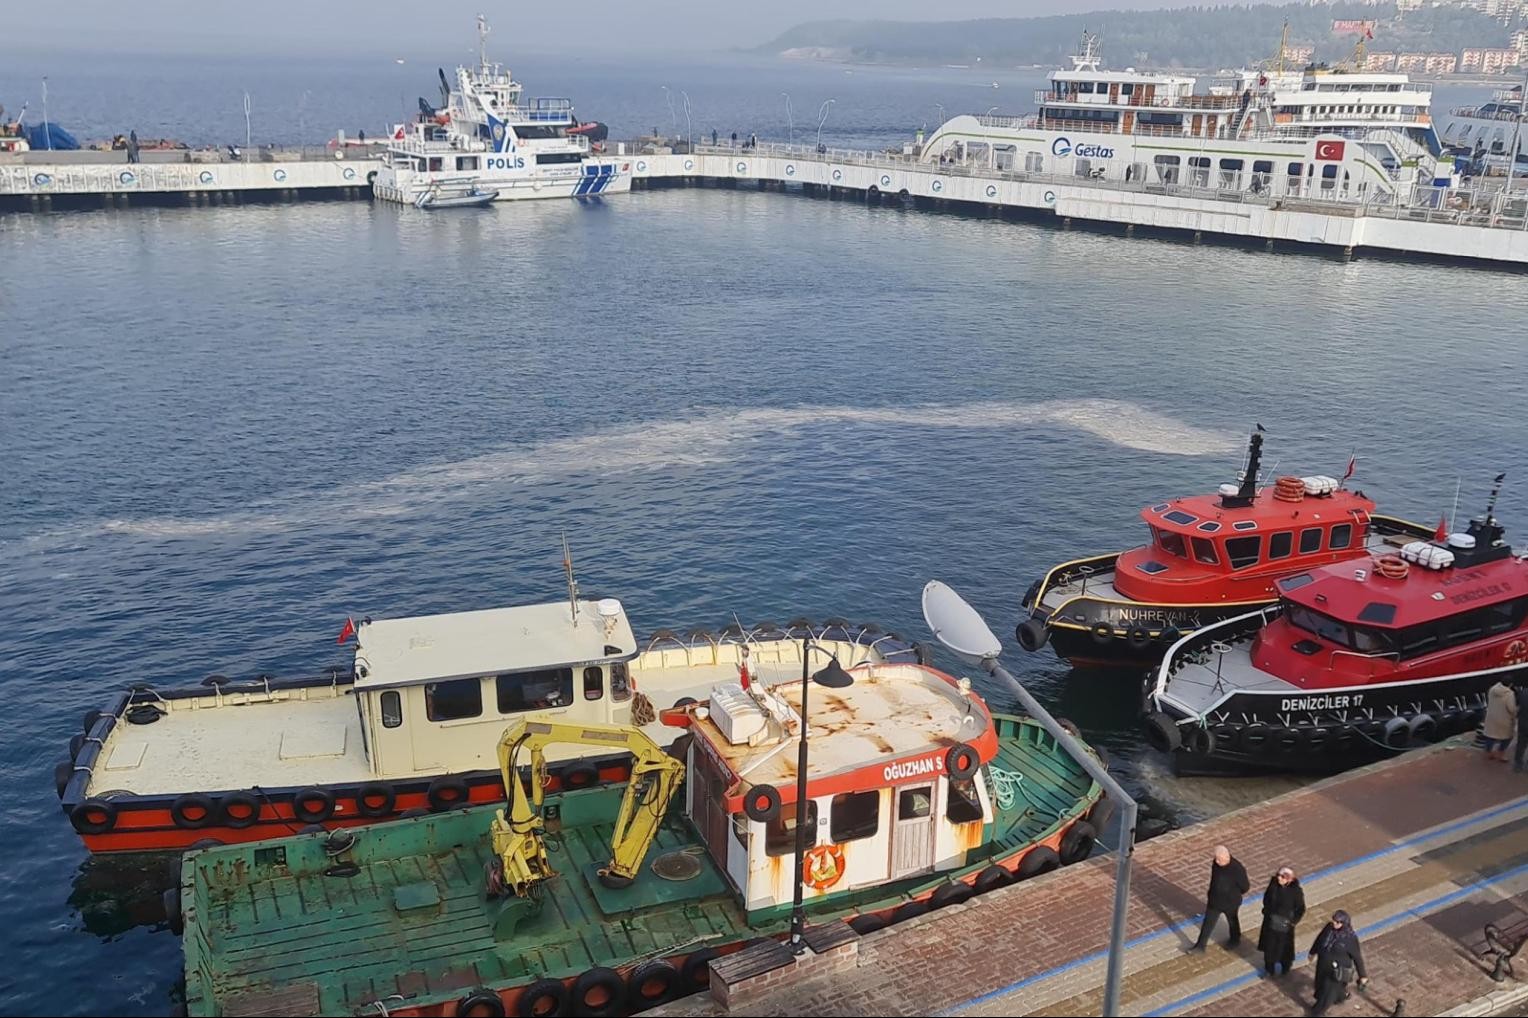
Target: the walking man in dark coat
(1337, 957)
(1228, 882)
(1283, 908)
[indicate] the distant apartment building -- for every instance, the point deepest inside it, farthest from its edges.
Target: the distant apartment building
(1299, 53)
(1520, 43)
(1408, 5)
(1488, 61)
(1426, 63)
(1379, 62)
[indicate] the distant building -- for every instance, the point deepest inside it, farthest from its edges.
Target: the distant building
(1488, 61)
(1520, 43)
(1408, 5)
(1440, 63)
(1299, 53)
(1379, 62)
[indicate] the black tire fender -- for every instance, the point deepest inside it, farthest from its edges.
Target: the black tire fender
(482, 1002)
(239, 810)
(1038, 860)
(1031, 634)
(194, 811)
(1162, 732)
(762, 803)
(93, 816)
(63, 772)
(695, 973)
(447, 792)
(952, 893)
(1139, 638)
(867, 923)
(375, 799)
(579, 774)
(599, 992)
(962, 761)
(911, 910)
(1077, 843)
(1102, 633)
(542, 999)
(991, 878)
(651, 983)
(313, 805)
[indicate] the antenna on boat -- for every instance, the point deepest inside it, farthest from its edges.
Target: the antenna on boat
(483, 30)
(567, 566)
(1453, 514)
(1247, 491)
(1491, 504)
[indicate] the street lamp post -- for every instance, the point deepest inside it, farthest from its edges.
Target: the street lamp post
(821, 119)
(957, 625)
(833, 676)
(689, 141)
(673, 117)
(790, 123)
(987, 134)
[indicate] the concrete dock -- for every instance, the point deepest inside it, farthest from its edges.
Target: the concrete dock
(1486, 228)
(1423, 851)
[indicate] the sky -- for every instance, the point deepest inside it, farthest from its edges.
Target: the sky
(403, 28)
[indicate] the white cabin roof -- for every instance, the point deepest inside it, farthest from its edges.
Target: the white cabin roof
(430, 648)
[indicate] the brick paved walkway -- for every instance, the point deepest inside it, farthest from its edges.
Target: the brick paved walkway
(1422, 851)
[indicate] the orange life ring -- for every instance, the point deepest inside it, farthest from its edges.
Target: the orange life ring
(1392, 567)
(823, 866)
(1516, 652)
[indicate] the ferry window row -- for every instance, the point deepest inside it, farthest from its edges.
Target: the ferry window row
(1090, 88)
(1413, 641)
(1242, 552)
(515, 693)
(855, 816)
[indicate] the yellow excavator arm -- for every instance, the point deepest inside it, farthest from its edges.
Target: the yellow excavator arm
(517, 832)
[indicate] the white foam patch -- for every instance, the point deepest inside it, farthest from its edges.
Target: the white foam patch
(693, 442)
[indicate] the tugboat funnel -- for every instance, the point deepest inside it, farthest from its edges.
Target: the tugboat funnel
(957, 625)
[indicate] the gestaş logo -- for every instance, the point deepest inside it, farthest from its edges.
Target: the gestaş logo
(1061, 146)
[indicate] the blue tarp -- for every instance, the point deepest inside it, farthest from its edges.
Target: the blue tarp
(38, 136)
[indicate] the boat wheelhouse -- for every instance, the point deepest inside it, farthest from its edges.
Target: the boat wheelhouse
(1317, 132)
(1210, 557)
(489, 138)
(1490, 136)
(1358, 659)
(917, 797)
(411, 725)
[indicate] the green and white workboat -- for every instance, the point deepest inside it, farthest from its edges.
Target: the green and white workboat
(605, 900)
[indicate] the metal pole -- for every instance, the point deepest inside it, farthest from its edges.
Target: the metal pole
(822, 119)
(47, 132)
(246, 119)
(987, 134)
(688, 138)
(798, 914)
(1517, 128)
(1127, 815)
(790, 123)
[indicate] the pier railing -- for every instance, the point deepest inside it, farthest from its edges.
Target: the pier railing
(1496, 209)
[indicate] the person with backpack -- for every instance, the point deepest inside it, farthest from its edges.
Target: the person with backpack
(1338, 957)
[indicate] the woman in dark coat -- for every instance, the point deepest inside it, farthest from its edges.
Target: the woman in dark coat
(1283, 908)
(1338, 957)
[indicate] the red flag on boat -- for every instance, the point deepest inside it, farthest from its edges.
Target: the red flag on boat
(347, 632)
(1352, 462)
(1441, 534)
(742, 671)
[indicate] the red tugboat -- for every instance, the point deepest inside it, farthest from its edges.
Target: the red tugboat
(1358, 660)
(1211, 557)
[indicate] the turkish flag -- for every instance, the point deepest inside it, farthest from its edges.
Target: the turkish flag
(1441, 534)
(347, 632)
(1329, 151)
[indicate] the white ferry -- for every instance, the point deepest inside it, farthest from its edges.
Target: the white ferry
(1490, 136)
(489, 139)
(1314, 132)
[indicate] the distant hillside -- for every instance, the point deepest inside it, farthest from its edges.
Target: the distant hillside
(1196, 37)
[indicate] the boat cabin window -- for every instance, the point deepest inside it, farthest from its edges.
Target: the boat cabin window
(594, 682)
(454, 700)
(856, 815)
(1180, 517)
(1505, 615)
(1281, 544)
(1342, 536)
(1372, 641)
(1034, 162)
(620, 682)
(466, 162)
(914, 803)
(1171, 543)
(1310, 540)
(964, 805)
(1244, 551)
(392, 709)
(559, 157)
(1126, 87)
(540, 690)
(1204, 551)
(435, 164)
(780, 833)
(1167, 168)
(1323, 626)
